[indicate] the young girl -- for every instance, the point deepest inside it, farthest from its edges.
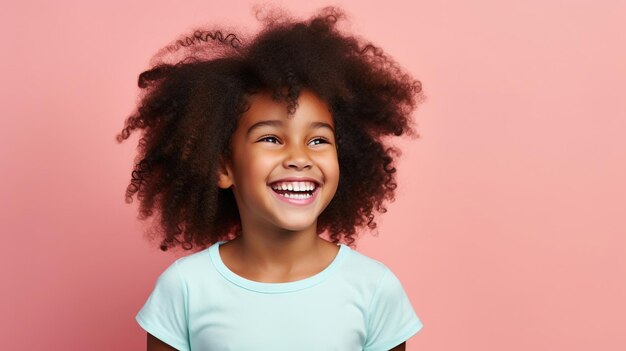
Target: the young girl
(251, 151)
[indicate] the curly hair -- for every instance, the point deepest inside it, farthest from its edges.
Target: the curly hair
(189, 109)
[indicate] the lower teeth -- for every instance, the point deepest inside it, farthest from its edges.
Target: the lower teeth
(297, 196)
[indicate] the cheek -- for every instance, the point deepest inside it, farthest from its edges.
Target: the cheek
(262, 162)
(256, 165)
(330, 167)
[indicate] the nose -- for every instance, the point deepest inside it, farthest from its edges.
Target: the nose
(297, 157)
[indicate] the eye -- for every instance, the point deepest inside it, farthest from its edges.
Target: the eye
(323, 141)
(269, 137)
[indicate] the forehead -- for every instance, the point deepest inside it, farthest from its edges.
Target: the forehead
(310, 108)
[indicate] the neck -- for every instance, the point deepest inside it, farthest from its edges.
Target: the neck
(277, 250)
(277, 257)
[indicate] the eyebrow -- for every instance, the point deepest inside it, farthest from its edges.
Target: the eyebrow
(279, 123)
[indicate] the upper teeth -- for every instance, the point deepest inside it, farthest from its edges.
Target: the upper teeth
(294, 186)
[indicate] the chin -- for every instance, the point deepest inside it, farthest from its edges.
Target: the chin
(297, 227)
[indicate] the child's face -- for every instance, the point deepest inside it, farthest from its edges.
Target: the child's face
(293, 147)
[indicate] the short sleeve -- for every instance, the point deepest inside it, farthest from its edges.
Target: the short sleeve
(164, 314)
(391, 319)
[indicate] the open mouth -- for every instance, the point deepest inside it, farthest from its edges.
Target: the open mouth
(295, 195)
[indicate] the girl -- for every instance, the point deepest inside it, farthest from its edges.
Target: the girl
(252, 151)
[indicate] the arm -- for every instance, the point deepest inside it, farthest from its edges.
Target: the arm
(401, 347)
(155, 344)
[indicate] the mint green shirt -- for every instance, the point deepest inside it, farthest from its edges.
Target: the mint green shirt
(356, 303)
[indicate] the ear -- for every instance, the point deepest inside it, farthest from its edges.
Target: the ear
(224, 174)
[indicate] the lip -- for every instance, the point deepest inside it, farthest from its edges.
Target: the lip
(297, 202)
(297, 179)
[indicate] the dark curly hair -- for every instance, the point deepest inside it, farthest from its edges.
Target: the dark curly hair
(189, 109)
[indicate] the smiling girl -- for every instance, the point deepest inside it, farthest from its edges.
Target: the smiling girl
(251, 153)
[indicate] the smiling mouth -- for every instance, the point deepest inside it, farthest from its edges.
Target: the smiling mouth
(295, 194)
(297, 198)
(295, 189)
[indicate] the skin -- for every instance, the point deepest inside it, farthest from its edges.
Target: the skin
(279, 242)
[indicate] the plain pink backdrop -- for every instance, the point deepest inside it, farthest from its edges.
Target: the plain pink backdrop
(508, 230)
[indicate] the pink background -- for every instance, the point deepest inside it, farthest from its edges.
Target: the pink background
(508, 230)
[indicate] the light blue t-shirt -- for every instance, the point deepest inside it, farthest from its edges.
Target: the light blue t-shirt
(356, 303)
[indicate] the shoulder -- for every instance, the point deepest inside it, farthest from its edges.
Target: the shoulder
(187, 267)
(366, 269)
(194, 259)
(363, 262)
